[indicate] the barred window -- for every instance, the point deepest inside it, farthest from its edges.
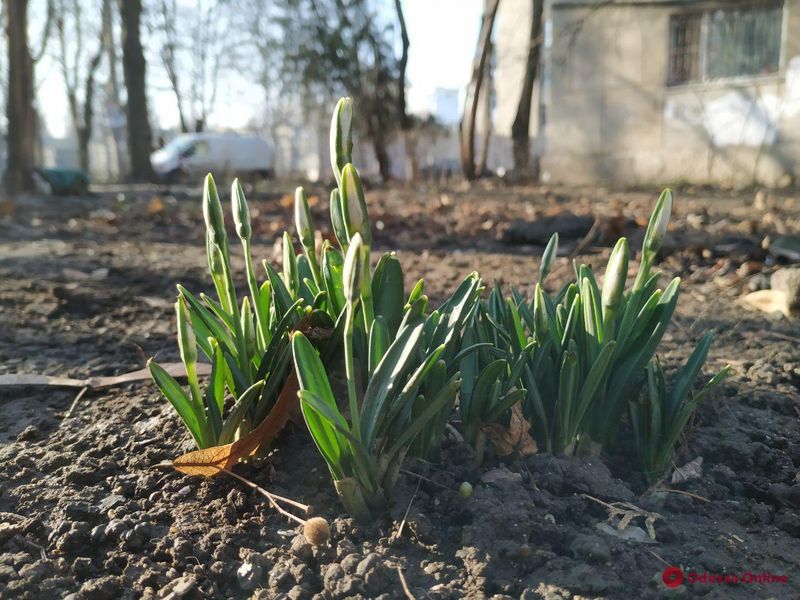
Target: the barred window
(727, 42)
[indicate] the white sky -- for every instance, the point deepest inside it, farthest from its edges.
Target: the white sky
(443, 34)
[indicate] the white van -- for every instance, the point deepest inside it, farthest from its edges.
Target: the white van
(189, 156)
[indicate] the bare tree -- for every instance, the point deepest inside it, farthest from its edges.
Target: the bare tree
(113, 100)
(520, 129)
(134, 68)
(467, 130)
(487, 89)
(331, 47)
(198, 43)
(72, 22)
(19, 109)
(167, 25)
(402, 111)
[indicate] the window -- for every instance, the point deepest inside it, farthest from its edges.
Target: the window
(726, 42)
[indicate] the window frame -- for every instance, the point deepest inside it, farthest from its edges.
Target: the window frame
(704, 12)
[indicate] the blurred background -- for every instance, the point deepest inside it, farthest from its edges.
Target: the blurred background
(562, 91)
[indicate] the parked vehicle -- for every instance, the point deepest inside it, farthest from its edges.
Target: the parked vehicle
(190, 156)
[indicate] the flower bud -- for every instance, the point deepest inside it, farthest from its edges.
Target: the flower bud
(341, 136)
(353, 272)
(247, 325)
(302, 218)
(539, 312)
(548, 257)
(212, 213)
(241, 214)
(616, 276)
(354, 205)
(186, 338)
(659, 220)
(337, 219)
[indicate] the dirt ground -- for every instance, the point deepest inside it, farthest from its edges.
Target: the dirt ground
(86, 288)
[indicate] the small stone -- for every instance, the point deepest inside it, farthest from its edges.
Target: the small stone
(249, 576)
(7, 572)
(81, 511)
(345, 547)
(371, 561)
(103, 588)
(219, 570)
(591, 548)
(298, 592)
(279, 576)
(111, 501)
(333, 574)
(350, 562)
(115, 528)
(788, 281)
(183, 587)
(30, 434)
(301, 548)
(82, 566)
(788, 520)
(34, 571)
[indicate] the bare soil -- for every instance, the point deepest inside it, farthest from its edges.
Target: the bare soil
(86, 286)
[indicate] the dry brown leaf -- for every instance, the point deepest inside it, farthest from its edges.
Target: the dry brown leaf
(155, 206)
(174, 369)
(768, 301)
(514, 438)
(691, 470)
(210, 461)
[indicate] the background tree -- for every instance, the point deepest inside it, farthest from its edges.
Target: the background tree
(19, 110)
(333, 48)
(520, 129)
(198, 41)
(78, 67)
(467, 129)
(23, 127)
(135, 71)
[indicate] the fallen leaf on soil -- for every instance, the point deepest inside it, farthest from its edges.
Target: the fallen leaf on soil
(174, 369)
(500, 474)
(75, 275)
(155, 206)
(691, 470)
(768, 301)
(632, 533)
(515, 437)
(211, 461)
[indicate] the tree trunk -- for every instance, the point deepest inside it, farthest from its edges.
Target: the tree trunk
(405, 122)
(134, 68)
(19, 110)
(486, 103)
(86, 127)
(467, 129)
(520, 129)
(113, 102)
(378, 139)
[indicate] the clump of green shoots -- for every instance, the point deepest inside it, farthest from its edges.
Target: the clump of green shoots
(399, 386)
(492, 368)
(246, 341)
(659, 416)
(588, 348)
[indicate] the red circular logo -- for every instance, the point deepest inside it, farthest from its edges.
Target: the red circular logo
(672, 577)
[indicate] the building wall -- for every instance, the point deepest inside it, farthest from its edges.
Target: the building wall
(511, 39)
(611, 116)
